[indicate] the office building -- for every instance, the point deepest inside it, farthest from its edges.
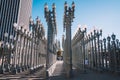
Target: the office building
(14, 11)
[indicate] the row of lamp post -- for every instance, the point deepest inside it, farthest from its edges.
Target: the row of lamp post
(94, 48)
(6, 50)
(22, 51)
(103, 54)
(78, 48)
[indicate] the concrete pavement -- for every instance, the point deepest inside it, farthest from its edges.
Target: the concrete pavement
(38, 75)
(59, 74)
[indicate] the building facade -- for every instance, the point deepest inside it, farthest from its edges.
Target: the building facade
(14, 11)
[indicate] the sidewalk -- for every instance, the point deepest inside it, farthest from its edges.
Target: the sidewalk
(38, 75)
(59, 69)
(58, 74)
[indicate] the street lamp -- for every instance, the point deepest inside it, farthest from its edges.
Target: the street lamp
(93, 56)
(51, 21)
(109, 52)
(105, 53)
(11, 45)
(26, 49)
(19, 68)
(89, 51)
(98, 34)
(95, 49)
(117, 54)
(33, 44)
(114, 51)
(31, 22)
(83, 43)
(15, 48)
(29, 50)
(101, 54)
(23, 49)
(68, 19)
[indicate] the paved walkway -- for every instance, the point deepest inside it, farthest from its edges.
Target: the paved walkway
(59, 69)
(58, 74)
(38, 75)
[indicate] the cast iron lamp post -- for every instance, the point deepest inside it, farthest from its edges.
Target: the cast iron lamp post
(7, 55)
(83, 43)
(51, 22)
(93, 56)
(27, 50)
(15, 48)
(68, 19)
(10, 55)
(95, 50)
(89, 51)
(105, 54)
(18, 40)
(109, 52)
(102, 56)
(114, 51)
(117, 55)
(23, 48)
(98, 34)
(31, 40)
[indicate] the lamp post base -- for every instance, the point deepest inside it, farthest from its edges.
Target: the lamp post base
(71, 74)
(18, 69)
(23, 68)
(13, 70)
(1, 71)
(47, 75)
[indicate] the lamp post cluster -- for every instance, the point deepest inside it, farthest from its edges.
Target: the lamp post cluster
(112, 53)
(93, 49)
(21, 46)
(6, 50)
(37, 37)
(67, 21)
(24, 50)
(100, 54)
(78, 48)
(52, 31)
(103, 54)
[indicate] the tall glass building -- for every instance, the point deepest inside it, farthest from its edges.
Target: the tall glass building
(14, 11)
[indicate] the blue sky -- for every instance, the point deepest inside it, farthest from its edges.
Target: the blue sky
(104, 14)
